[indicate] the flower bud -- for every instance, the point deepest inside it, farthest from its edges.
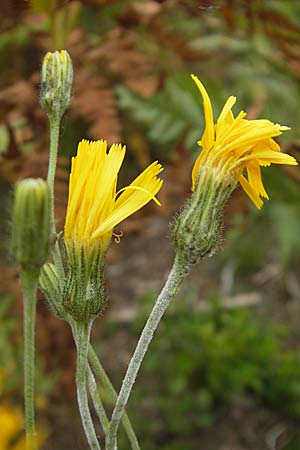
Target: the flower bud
(31, 223)
(56, 82)
(84, 293)
(50, 286)
(197, 231)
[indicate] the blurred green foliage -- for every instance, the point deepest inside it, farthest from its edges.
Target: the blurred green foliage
(203, 359)
(11, 355)
(174, 115)
(168, 115)
(270, 235)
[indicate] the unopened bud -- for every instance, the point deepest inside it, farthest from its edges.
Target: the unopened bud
(50, 286)
(197, 231)
(31, 223)
(56, 82)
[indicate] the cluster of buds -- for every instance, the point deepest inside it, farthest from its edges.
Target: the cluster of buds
(81, 295)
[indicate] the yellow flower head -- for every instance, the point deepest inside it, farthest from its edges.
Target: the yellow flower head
(95, 207)
(238, 147)
(11, 432)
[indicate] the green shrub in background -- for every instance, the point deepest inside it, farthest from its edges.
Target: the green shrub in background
(202, 360)
(277, 224)
(11, 354)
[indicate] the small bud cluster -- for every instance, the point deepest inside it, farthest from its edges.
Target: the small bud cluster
(197, 231)
(81, 294)
(31, 223)
(56, 82)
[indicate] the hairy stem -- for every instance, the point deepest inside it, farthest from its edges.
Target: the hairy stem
(29, 280)
(168, 292)
(101, 374)
(81, 333)
(54, 123)
(97, 402)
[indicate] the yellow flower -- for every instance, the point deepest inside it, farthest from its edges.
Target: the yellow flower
(95, 206)
(12, 436)
(238, 147)
(11, 424)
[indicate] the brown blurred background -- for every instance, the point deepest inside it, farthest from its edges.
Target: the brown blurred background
(224, 370)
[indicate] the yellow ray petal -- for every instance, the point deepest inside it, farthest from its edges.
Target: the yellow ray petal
(209, 132)
(251, 134)
(250, 192)
(140, 192)
(195, 171)
(225, 118)
(83, 165)
(105, 182)
(141, 180)
(254, 178)
(271, 156)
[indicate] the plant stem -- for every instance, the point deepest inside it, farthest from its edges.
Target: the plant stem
(29, 280)
(101, 374)
(54, 123)
(97, 402)
(168, 292)
(81, 334)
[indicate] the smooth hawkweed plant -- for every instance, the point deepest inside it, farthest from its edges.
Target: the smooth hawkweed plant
(230, 148)
(70, 268)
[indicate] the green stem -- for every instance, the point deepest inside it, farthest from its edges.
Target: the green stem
(81, 333)
(54, 123)
(101, 374)
(168, 292)
(29, 280)
(97, 402)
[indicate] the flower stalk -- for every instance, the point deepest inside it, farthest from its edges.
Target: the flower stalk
(54, 123)
(101, 374)
(56, 86)
(30, 248)
(81, 333)
(167, 294)
(29, 280)
(97, 402)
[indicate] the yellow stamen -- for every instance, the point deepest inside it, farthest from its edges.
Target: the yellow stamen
(141, 189)
(118, 236)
